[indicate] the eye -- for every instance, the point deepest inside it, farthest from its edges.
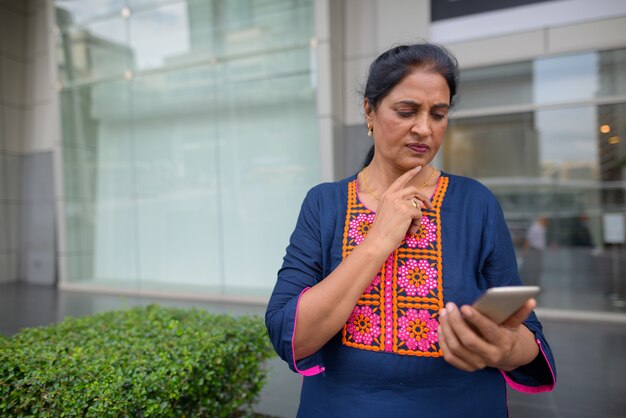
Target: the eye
(404, 113)
(439, 116)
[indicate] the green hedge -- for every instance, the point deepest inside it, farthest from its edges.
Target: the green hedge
(143, 362)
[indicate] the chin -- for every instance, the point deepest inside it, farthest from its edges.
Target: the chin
(406, 166)
(414, 162)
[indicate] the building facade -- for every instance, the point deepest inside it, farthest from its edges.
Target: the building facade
(163, 147)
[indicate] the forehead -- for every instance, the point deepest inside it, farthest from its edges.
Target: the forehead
(421, 86)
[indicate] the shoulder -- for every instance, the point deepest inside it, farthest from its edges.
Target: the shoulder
(325, 202)
(330, 191)
(467, 184)
(469, 192)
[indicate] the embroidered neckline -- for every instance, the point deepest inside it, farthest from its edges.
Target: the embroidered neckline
(398, 311)
(360, 202)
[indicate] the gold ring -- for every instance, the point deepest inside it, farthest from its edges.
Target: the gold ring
(414, 203)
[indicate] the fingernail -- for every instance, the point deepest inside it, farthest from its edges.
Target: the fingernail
(467, 311)
(450, 306)
(442, 312)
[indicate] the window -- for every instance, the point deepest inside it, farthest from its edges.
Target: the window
(189, 137)
(548, 137)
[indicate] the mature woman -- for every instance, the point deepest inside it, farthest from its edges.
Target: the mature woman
(373, 301)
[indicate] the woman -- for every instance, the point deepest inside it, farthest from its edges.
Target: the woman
(372, 303)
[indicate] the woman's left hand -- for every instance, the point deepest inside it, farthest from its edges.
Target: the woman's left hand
(470, 341)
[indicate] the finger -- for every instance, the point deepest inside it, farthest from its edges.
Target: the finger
(467, 335)
(415, 226)
(416, 211)
(463, 344)
(443, 336)
(416, 207)
(413, 193)
(449, 356)
(486, 327)
(520, 315)
(424, 199)
(402, 181)
(408, 192)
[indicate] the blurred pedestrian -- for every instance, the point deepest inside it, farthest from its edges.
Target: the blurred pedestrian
(535, 245)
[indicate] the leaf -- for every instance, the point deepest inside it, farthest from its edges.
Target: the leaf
(146, 361)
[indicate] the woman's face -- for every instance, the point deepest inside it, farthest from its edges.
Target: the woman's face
(410, 122)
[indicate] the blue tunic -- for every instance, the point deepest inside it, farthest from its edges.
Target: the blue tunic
(386, 360)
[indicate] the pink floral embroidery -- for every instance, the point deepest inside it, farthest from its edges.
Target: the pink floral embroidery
(417, 277)
(359, 227)
(418, 329)
(363, 325)
(426, 235)
(397, 312)
(372, 285)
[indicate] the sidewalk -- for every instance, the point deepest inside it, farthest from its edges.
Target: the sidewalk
(591, 357)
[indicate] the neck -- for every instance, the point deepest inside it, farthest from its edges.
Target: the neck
(380, 175)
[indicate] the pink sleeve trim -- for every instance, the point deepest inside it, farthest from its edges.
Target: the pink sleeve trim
(532, 389)
(310, 371)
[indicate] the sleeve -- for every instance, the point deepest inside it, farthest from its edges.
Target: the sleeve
(500, 269)
(301, 269)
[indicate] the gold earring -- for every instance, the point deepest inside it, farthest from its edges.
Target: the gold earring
(370, 130)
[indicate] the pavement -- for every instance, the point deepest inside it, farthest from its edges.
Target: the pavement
(590, 355)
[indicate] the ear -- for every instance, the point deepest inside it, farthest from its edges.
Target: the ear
(367, 110)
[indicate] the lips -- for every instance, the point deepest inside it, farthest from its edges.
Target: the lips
(419, 148)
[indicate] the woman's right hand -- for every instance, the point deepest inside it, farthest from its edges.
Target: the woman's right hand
(325, 307)
(396, 214)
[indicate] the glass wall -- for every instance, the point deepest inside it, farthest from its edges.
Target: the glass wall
(549, 138)
(189, 139)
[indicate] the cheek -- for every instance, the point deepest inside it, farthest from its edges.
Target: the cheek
(394, 128)
(439, 135)
(441, 131)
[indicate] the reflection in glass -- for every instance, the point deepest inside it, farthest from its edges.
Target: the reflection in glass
(556, 174)
(498, 85)
(181, 176)
(493, 146)
(94, 51)
(566, 147)
(85, 11)
(579, 77)
(160, 36)
(612, 69)
(565, 78)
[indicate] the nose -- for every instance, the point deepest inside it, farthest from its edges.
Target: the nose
(421, 127)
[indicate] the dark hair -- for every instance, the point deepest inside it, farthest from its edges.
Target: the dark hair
(392, 66)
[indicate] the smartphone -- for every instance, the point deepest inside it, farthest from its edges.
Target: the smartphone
(499, 303)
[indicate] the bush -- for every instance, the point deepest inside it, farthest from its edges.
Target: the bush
(144, 362)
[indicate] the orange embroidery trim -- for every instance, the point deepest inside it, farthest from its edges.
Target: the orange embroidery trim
(407, 320)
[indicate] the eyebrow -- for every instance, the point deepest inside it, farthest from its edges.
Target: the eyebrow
(416, 104)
